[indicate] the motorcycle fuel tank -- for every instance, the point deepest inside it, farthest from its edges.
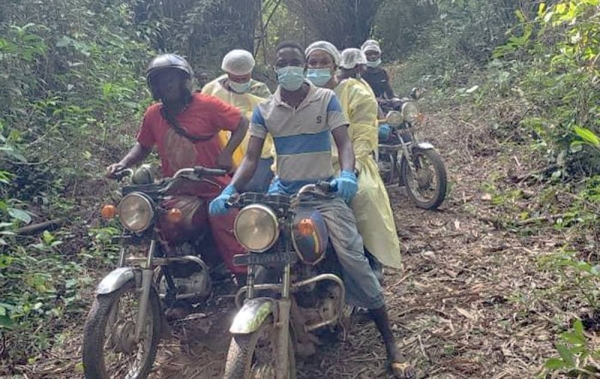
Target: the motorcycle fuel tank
(309, 235)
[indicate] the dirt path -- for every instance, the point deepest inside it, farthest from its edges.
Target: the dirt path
(460, 307)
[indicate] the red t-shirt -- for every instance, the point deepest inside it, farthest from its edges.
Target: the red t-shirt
(205, 116)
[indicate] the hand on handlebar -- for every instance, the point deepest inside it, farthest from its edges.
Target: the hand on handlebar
(384, 131)
(219, 204)
(112, 171)
(346, 185)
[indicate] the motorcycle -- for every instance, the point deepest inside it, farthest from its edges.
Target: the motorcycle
(303, 300)
(124, 325)
(404, 159)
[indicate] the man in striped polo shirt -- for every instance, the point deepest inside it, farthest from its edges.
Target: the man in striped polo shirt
(301, 119)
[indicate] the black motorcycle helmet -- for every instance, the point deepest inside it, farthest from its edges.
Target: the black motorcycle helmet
(169, 62)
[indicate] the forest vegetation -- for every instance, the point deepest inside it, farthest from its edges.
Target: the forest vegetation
(512, 74)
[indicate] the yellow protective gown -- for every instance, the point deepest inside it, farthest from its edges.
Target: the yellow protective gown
(371, 205)
(244, 102)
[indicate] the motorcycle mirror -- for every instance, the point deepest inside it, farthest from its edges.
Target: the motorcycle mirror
(415, 93)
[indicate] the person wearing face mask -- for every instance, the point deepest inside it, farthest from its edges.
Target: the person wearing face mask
(353, 64)
(302, 118)
(375, 75)
(371, 205)
(236, 87)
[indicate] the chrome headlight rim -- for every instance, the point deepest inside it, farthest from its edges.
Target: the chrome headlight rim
(394, 118)
(241, 238)
(146, 202)
(410, 112)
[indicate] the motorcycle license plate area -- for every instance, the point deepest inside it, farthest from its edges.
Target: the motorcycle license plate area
(266, 259)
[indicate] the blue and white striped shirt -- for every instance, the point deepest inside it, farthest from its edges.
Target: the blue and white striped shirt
(302, 135)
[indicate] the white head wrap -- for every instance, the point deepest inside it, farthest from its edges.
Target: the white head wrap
(370, 45)
(238, 62)
(352, 57)
(325, 46)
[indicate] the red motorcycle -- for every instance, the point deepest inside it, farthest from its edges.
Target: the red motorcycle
(123, 328)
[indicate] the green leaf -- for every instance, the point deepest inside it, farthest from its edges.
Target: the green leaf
(578, 325)
(572, 338)
(554, 364)
(5, 322)
(588, 136)
(64, 42)
(566, 355)
(47, 237)
(20, 215)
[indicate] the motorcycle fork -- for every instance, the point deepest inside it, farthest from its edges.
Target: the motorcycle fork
(147, 274)
(282, 326)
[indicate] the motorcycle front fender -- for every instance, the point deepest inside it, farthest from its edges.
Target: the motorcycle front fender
(252, 314)
(425, 146)
(116, 279)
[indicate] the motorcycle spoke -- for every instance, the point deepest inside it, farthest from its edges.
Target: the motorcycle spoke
(423, 181)
(263, 366)
(119, 338)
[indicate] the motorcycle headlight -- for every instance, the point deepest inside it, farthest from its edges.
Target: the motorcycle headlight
(410, 112)
(136, 212)
(394, 118)
(256, 228)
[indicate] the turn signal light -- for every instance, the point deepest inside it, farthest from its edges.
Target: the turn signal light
(174, 215)
(108, 211)
(306, 227)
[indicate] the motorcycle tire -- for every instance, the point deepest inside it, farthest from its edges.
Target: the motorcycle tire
(241, 363)
(440, 175)
(94, 335)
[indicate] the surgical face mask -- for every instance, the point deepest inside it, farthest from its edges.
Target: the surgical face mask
(290, 78)
(319, 76)
(374, 63)
(239, 87)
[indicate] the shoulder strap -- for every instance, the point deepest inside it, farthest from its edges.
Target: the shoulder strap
(180, 130)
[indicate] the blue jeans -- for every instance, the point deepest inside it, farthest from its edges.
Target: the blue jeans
(363, 290)
(262, 177)
(362, 287)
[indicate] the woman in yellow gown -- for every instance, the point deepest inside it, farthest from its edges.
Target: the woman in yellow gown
(371, 205)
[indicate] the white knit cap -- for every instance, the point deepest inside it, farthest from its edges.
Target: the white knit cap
(370, 45)
(325, 46)
(238, 62)
(352, 57)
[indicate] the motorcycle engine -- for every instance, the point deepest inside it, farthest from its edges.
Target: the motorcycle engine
(190, 279)
(321, 304)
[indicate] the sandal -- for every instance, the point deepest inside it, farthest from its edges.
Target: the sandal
(402, 370)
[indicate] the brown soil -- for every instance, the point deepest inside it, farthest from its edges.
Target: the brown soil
(464, 306)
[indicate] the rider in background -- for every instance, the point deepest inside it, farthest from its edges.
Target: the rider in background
(353, 64)
(375, 75)
(302, 119)
(202, 78)
(237, 88)
(371, 205)
(184, 126)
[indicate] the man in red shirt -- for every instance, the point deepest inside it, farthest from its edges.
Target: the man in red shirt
(184, 126)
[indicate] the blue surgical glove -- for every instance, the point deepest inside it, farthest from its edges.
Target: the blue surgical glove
(274, 187)
(384, 131)
(346, 185)
(219, 204)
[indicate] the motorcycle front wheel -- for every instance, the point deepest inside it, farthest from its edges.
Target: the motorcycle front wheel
(426, 182)
(253, 356)
(110, 349)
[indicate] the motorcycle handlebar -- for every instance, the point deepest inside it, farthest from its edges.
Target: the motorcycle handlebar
(119, 175)
(319, 188)
(201, 171)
